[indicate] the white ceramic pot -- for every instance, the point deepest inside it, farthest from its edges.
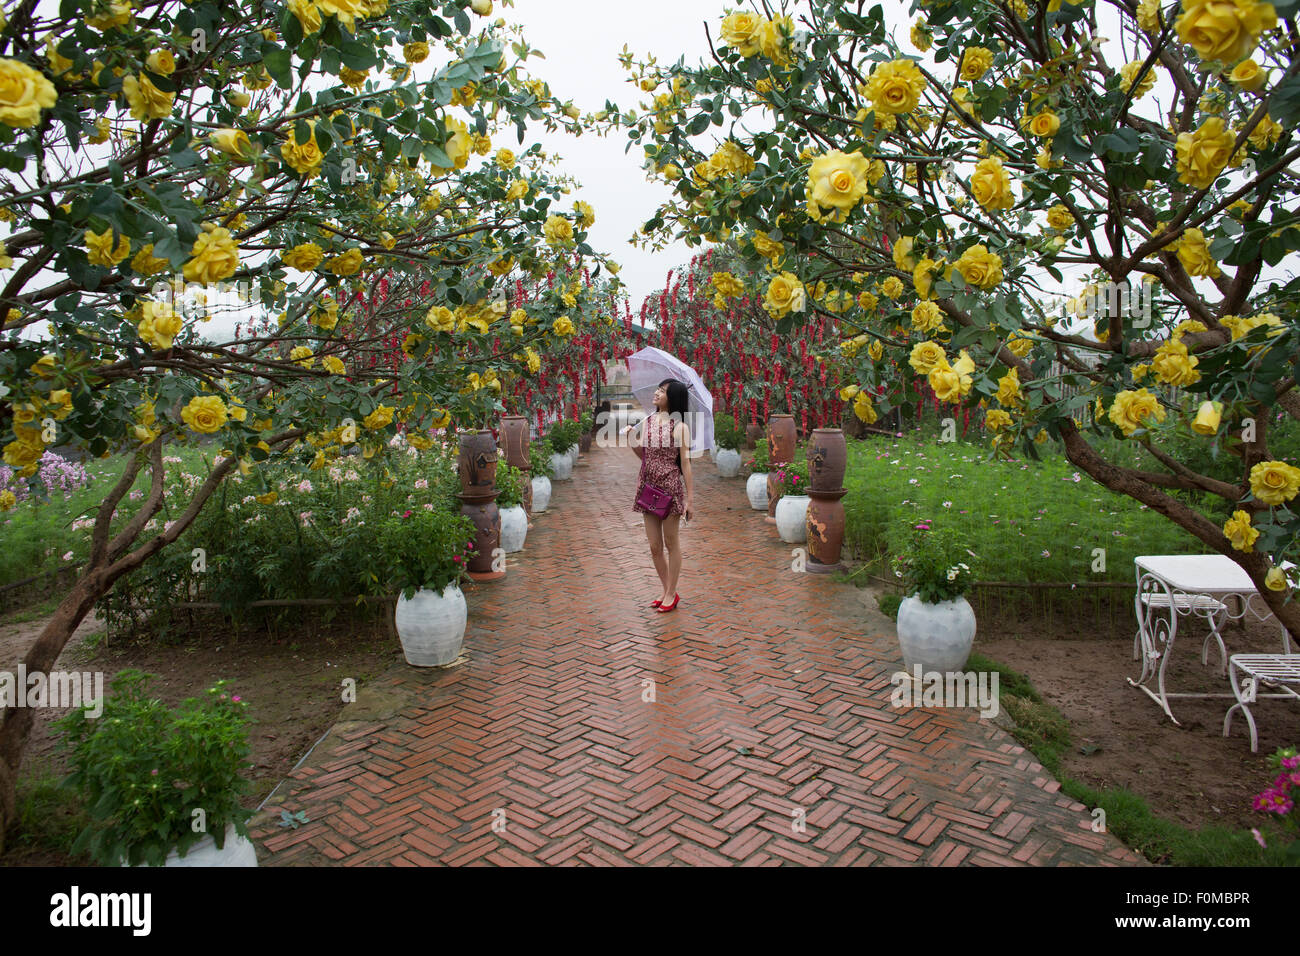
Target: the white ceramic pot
(431, 626)
(238, 851)
(541, 493)
(937, 637)
(562, 466)
(756, 488)
(514, 528)
(728, 462)
(792, 517)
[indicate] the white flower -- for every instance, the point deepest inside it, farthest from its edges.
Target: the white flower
(947, 504)
(304, 486)
(1076, 477)
(68, 556)
(1046, 553)
(952, 574)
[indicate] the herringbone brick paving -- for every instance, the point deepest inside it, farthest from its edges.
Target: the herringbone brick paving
(752, 726)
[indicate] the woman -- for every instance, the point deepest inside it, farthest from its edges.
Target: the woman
(659, 442)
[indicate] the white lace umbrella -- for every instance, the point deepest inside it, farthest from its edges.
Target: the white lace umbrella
(650, 366)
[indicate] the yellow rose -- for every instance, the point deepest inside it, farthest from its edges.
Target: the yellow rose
(534, 361)
(586, 215)
(145, 100)
(920, 36)
(867, 301)
(951, 382)
(766, 247)
(1129, 72)
(417, 51)
(304, 257)
(440, 319)
(1274, 482)
(144, 262)
(1009, 389)
(7, 500)
(1059, 218)
(741, 31)
(926, 317)
(836, 181)
(980, 267)
(309, 15)
(302, 355)
(1194, 254)
(1275, 579)
(24, 92)
(381, 417)
(205, 414)
(347, 11)
(458, 147)
(1265, 133)
(863, 408)
(1248, 75)
(902, 253)
(1148, 16)
(785, 294)
(926, 356)
(441, 418)
(975, 62)
(558, 232)
(772, 40)
(1225, 30)
(895, 87)
(505, 158)
(304, 158)
(996, 419)
(101, 251)
(347, 264)
(213, 257)
(159, 324)
(991, 185)
(1202, 155)
(1207, 418)
(232, 142)
(161, 62)
(333, 364)
(1174, 366)
(562, 326)
(876, 350)
(1239, 532)
(1131, 409)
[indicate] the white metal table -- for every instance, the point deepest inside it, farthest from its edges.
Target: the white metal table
(1170, 586)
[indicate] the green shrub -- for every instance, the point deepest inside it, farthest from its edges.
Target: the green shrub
(759, 463)
(726, 434)
(148, 774)
(509, 491)
(539, 458)
(424, 549)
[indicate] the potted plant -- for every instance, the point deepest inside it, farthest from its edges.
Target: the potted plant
(424, 554)
(162, 785)
(727, 437)
(586, 422)
(510, 498)
(936, 626)
(562, 439)
(540, 457)
(792, 507)
(756, 484)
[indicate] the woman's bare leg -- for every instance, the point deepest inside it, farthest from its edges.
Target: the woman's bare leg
(673, 544)
(656, 539)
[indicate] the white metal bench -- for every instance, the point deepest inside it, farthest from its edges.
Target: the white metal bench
(1247, 672)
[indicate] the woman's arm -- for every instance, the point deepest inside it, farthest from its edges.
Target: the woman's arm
(687, 478)
(634, 438)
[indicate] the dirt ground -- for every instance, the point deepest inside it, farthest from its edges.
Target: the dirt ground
(1079, 661)
(292, 678)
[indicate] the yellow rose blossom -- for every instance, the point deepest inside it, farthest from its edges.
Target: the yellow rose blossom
(920, 36)
(951, 382)
(867, 301)
(159, 324)
(7, 500)
(304, 158)
(1194, 254)
(161, 62)
(534, 361)
(975, 62)
(996, 419)
(980, 267)
(766, 247)
(772, 40)
(505, 158)
(1274, 482)
(991, 185)
(1266, 133)
(848, 392)
(308, 14)
(381, 417)
(1173, 365)
(145, 264)
(1044, 124)
(1131, 410)
(1148, 16)
(586, 215)
(741, 32)
(1239, 532)
(785, 294)
(863, 409)
(727, 284)
(304, 257)
(1207, 418)
(562, 326)
(302, 355)
(876, 350)
(1009, 389)
(892, 287)
(836, 182)
(923, 277)
(902, 254)
(213, 257)
(205, 414)
(145, 100)
(926, 317)
(1224, 30)
(232, 142)
(458, 147)
(1275, 580)
(518, 190)
(1060, 218)
(558, 232)
(895, 87)
(101, 251)
(440, 319)
(417, 51)
(1202, 155)
(1129, 72)
(347, 264)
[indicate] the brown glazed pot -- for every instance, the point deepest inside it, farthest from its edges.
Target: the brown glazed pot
(526, 490)
(487, 533)
(825, 527)
(774, 492)
(780, 439)
(828, 455)
(584, 443)
(514, 440)
(478, 463)
(752, 434)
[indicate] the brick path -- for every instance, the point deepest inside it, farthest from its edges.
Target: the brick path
(771, 696)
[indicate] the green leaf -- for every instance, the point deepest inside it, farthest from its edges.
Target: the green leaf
(276, 60)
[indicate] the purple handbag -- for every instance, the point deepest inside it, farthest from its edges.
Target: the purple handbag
(654, 500)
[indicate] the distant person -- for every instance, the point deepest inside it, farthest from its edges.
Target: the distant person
(658, 441)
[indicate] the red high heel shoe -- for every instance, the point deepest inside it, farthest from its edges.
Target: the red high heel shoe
(656, 602)
(665, 608)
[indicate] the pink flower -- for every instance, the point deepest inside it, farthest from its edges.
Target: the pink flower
(422, 483)
(236, 699)
(923, 527)
(406, 514)
(458, 559)
(68, 556)
(1259, 837)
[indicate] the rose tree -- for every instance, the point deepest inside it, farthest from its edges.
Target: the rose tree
(157, 151)
(1139, 148)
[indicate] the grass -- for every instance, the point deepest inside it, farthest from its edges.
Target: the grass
(49, 818)
(1044, 731)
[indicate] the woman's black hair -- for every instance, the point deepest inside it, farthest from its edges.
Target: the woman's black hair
(678, 405)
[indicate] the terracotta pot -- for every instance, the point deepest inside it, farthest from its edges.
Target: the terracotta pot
(825, 525)
(828, 455)
(752, 434)
(514, 440)
(780, 439)
(526, 488)
(487, 530)
(774, 492)
(584, 442)
(478, 463)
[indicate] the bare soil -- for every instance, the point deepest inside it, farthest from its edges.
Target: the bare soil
(291, 672)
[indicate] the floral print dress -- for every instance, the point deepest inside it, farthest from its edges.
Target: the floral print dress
(659, 466)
